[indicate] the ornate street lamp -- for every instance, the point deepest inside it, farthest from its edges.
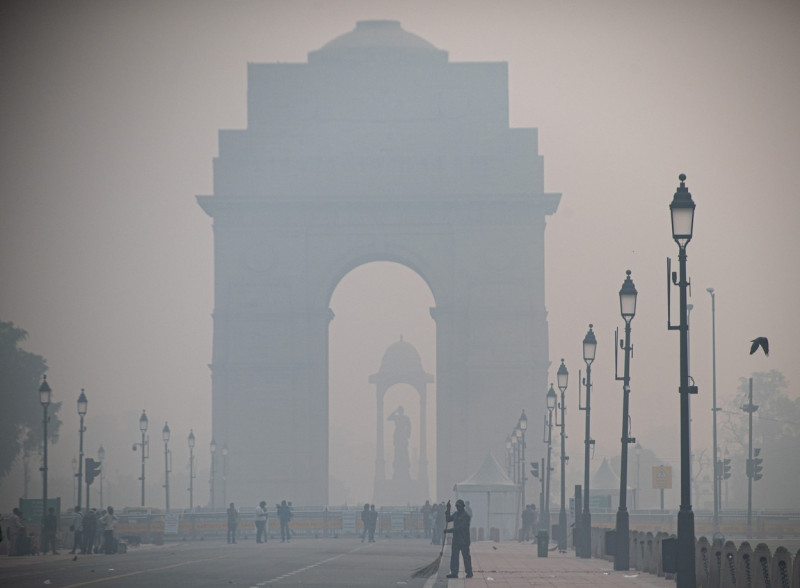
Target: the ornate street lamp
(191, 441)
(589, 350)
(509, 459)
(717, 464)
(682, 215)
(522, 426)
(213, 450)
(627, 308)
(101, 455)
(224, 474)
(551, 401)
(165, 436)
(83, 406)
(143, 422)
(562, 377)
(45, 396)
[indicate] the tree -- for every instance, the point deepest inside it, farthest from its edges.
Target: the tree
(776, 431)
(21, 426)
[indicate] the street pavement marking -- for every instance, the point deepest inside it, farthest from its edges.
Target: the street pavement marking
(118, 576)
(310, 566)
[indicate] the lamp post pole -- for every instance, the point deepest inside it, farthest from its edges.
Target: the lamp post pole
(627, 305)
(522, 426)
(101, 455)
(224, 474)
(551, 406)
(589, 350)
(83, 405)
(165, 436)
(717, 472)
(509, 459)
(191, 441)
(143, 422)
(563, 377)
(75, 475)
(213, 449)
(682, 214)
(45, 395)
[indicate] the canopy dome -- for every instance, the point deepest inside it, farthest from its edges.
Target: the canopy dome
(378, 39)
(401, 357)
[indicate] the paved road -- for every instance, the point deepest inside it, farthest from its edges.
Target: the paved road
(316, 563)
(308, 562)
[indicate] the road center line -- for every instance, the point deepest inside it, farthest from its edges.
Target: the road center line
(118, 576)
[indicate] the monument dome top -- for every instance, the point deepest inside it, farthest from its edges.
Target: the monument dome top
(401, 356)
(377, 38)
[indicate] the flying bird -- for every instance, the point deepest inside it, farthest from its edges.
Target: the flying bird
(759, 342)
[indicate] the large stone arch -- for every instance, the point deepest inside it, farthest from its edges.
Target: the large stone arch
(377, 149)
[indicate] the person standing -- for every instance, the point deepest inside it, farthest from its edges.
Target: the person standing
(426, 518)
(89, 529)
(526, 521)
(261, 522)
(233, 523)
(49, 531)
(77, 528)
(284, 516)
(16, 534)
(365, 518)
(460, 531)
(373, 523)
(109, 521)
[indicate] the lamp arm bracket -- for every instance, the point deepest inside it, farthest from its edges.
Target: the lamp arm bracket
(670, 326)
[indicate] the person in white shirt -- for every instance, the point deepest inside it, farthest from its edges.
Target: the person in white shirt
(261, 522)
(109, 520)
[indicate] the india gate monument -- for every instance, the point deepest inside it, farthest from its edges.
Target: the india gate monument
(379, 148)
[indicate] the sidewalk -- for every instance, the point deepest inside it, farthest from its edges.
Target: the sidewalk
(513, 565)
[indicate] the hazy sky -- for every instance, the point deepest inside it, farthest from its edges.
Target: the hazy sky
(110, 113)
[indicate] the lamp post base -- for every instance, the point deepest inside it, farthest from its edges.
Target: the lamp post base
(686, 551)
(562, 530)
(586, 535)
(622, 547)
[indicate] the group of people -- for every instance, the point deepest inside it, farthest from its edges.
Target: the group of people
(19, 542)
(527, 531)
(369, 519)
(93, 531)
(284, 512)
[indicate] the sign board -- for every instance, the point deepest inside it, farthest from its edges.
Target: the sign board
(348, 521)
(662, 477)
(32, 509)
(171, 521)
(599, 501)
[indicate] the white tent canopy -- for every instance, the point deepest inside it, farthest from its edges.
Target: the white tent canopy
(494, 499)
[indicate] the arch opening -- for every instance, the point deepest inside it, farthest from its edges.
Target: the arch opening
(374, 305)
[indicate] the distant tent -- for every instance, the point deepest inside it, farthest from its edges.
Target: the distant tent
(605, 488)
(493, 497)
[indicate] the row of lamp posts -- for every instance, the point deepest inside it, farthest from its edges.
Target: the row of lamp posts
(93, 468)
(682, 220)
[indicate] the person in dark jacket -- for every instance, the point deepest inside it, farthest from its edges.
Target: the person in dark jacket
(365, 522)
(373, 523)
(284, 516)
(460, 531)
(49, 532)
(233, 523)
